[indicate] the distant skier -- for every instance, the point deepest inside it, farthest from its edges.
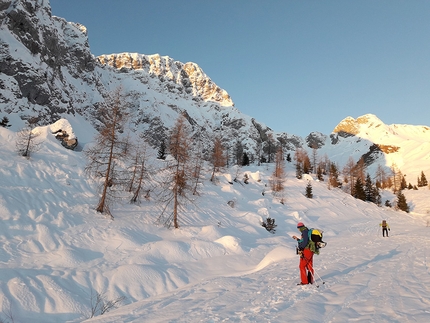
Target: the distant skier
(306, 255)
(385, 228)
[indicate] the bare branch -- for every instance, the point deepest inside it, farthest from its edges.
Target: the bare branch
(110, 151)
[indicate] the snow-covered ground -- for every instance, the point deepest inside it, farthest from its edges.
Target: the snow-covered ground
(221, 265)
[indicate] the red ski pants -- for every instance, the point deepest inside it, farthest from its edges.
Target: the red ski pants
(306, 264)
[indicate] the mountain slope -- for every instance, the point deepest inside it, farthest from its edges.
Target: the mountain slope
(47, 70)
(405, 146)
(57, 250)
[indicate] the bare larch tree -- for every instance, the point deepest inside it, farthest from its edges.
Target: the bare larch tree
(198, 166)
(107, 155)
(26, 141)
(140, 172)
(218, 158)
(179, 172)
(278, 176)
(349, 173)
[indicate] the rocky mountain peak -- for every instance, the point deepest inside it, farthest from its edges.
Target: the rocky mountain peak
(189, 75)
(352, 126)
(47, 71)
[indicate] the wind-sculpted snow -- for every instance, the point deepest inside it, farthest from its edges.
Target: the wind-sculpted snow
(220, 265)
(47, 71)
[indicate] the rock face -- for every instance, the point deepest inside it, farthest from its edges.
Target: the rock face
(48, 71)
(39, 54)
(189, 75)
(351, 126)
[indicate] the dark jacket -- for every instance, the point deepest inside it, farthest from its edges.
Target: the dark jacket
(303, 242)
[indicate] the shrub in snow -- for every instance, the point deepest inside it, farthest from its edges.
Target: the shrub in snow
(269, 224)
(309, 190)
(5, 122)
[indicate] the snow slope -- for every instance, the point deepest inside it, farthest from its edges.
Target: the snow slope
(219, 266)
(405, 146)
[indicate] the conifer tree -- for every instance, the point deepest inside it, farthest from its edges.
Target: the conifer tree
(162, 150)
(309, 190)
(401, 202)
(5, 122)
(368, 189)
(423, 179)
(238, 152)
(403, 184)
(359, 190)
(334, 176)
(245, 159)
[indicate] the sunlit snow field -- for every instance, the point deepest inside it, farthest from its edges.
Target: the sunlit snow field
(221, 265)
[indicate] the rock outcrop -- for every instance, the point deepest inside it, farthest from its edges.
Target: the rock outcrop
(47, 71)
(189, 75)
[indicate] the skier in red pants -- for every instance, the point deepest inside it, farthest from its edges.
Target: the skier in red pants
(306, 255)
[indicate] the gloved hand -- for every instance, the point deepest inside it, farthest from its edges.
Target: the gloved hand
(389, 230)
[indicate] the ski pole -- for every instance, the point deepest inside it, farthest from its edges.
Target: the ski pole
(313, 279)
(319, 277)
(313, 272)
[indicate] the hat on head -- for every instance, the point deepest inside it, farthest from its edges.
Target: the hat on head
(300, 224)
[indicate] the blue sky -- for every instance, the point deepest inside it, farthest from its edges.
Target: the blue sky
(297, 66)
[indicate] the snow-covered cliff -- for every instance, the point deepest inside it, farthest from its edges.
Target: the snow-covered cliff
(47, 70)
